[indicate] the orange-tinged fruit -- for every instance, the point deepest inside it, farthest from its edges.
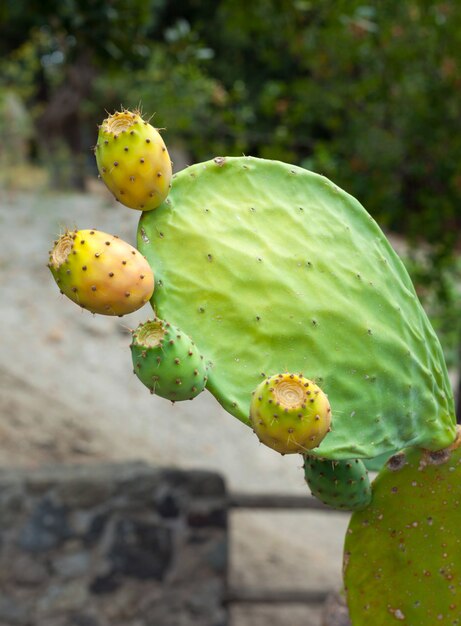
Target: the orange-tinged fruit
(101, 272)
(133, 160)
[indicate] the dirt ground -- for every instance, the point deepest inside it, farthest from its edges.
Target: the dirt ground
(67, 393)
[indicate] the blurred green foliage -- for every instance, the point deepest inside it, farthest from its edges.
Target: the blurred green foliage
(439, 289)
(367, 93)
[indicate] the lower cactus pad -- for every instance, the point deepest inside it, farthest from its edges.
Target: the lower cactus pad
(341, 485)
(290, 413)
(402, 559)
(269, 268)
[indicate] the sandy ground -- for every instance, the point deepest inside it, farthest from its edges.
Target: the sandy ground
(67, 393)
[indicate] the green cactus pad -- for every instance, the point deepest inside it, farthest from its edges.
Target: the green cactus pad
(290, 413)
(167, 361)
(402, 558)
(339, 484)
(269, 268)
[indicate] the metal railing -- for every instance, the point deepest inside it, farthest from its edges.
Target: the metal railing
(238, 501)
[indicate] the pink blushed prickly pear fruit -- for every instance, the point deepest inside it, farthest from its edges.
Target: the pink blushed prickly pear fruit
(290, 413)
(101, 272)
(133, 161)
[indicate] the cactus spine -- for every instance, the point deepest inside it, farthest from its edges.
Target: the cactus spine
(133, 160)
(101, 272)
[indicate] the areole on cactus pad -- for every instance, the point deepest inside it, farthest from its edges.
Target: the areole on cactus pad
(270, 268)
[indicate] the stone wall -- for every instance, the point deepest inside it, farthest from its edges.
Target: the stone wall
(112, 545)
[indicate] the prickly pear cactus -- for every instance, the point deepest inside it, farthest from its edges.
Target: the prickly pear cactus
(167, 361)
(290, 413)
(271, 268)
(101, 272)
(133, 160)
(261, 268)
(402, 559)
(338, 484)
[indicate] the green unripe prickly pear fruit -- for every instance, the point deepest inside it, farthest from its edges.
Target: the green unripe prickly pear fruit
(339, 484)
(290, 413)
(133, 160)
(167, 361)
(101, 272)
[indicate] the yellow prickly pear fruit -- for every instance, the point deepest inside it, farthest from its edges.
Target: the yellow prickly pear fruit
(290, 413)
(133, 161)
(101, 272)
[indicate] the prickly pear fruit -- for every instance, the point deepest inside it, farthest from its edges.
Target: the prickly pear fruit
(402, 555)
(340, 484)
(101, 272)
(167, 361)
(290, 413)
(133, 160)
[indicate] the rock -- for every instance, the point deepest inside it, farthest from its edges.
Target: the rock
(206, 513)
(28, 572)
(70, 566)
(83, 492)
(335, 611)
(217, 556)
(46, 528)
(196, 482)
(96, 528)
(13, 611)
(89, 524)
(167, 504)
(11, 503)
(112, 545)
(82, 619)
(141, 549)
(105, 583)
(63, 598)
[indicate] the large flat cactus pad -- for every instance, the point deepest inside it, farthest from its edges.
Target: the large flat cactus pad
(272, 268)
